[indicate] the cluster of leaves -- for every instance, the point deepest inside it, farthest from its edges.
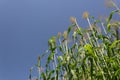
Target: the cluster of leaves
(83, 54)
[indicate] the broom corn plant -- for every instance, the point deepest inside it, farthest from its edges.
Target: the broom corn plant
(83, 54)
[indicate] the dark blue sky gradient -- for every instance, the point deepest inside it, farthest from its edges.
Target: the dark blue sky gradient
(26, 25)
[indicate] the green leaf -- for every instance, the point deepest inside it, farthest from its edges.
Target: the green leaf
(117, 72)
(92, 17)
(74, 35)
(97, 21)
(53, 78)
(73, 73)
(69, 29)
(78, 31)
(50, 57)
(111, 15)
(50, 74)
(43, 76)
(60, 58)
(61, 49)
(89, 48)
(52, 42)
(108, 26)
(114, 43)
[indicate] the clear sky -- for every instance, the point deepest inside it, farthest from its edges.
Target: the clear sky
(26, 25)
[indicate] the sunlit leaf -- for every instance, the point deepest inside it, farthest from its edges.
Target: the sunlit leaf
(114, 43)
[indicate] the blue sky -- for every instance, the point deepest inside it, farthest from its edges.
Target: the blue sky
(26, 25)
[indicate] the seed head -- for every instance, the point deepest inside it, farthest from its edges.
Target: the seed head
(38, 58)
(109, 3)
(73, 20)
(85, 15)
(65, 35)
(38, 61)
(58, 35)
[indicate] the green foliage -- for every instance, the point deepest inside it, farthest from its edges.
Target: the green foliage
(83, 54)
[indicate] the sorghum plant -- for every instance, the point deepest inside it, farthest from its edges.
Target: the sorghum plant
(84, 54)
